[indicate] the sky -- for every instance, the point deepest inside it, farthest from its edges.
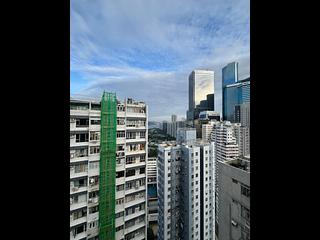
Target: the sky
(146, 49)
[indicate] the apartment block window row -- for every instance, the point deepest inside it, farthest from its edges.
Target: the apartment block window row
(136, 110)
(94, 136)
(120, 134)
(94, 149)
(121, 121)
(136, 147)
(78, 168)
(78, 214)
(78, 152)
(82, 122)
(136, 123)
(82, 137)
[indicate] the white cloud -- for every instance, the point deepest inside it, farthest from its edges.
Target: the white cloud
(147, 48)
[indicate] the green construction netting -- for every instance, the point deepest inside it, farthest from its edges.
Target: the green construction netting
(107, 166)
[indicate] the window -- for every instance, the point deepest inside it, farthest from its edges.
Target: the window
(82, 137)
(94, 136)
(95, 122)
(245, 213)
(94, 149)
(120, 214)
(79, 214)
(120, 174)
(119, 228)
(120, 134)
(94, 209)
(142, 170)
(245, 190)
(234, 181)
(130, 172)
(82, 122)
(196, 153)
(120, 187)
(119, 201)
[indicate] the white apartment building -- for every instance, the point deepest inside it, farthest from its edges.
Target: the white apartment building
(130, 184)
(226, 149)
(186, 189)
(207, 130)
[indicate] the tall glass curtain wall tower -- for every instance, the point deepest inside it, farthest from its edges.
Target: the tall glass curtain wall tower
(233, 95)
(230, 74)
(201, 83)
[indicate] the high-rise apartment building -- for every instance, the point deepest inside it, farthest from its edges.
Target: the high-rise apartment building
(234, 199)
(108, 152)
(186, 189)
(242, 135)
(201, 83)
(242, 114)
(235, 94)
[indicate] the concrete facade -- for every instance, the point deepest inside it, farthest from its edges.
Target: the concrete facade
(234, 199)
(131, 155)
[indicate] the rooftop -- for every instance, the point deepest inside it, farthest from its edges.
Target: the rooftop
(242, 163)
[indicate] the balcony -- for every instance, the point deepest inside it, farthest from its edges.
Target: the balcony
(153, 217)
(79, 158)
(121, 127)
(121, 140)
(93, 172)
(93, 201)
(77, 221)
(94, 187)
(136, 152)
(78, 189)
(77, 175)
(120, 167)
(92, 232)
(136, 114)
(120, 194)
(134, 227)
(93, 217)
(75, 206)
(134, 215)
(137, 139)
(119, 234)
(137, 126)
(119, 221)
(135, 202)
(78, 236)
(135, 164)
(135, 189)
(73, 143)
(119, 208)
(134, 177)
(120, 181)
(94, 127)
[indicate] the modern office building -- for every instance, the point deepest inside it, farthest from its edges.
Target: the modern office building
(108, 152)
(233, 95)
(230, 74)
(186, 188)
(242, 114)
(152, 194)
(201, 83)
(234, 199)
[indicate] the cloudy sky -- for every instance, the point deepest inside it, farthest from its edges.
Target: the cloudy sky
(145, 49)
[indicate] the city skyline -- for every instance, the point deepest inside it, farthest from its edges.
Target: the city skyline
(139, 45)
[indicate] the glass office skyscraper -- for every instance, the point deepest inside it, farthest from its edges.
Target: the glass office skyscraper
(233, 95)
(230, 74)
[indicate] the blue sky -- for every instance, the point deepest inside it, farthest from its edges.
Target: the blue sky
(145, 49)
